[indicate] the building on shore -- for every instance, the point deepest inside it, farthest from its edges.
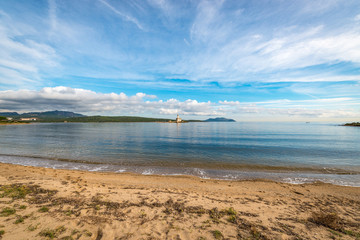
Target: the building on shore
(178, 119)
(28, 119)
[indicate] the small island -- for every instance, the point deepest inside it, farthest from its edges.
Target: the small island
(353, 124)
(220, 119)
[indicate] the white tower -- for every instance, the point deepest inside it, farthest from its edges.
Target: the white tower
(178, 119)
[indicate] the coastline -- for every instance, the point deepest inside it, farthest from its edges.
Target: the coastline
(87, 205)
(14, 123)
(215, 171)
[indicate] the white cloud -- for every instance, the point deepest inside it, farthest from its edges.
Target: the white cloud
(334, 108)
(90, 102)
(86, 101)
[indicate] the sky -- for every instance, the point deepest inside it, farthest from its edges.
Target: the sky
(263, 60)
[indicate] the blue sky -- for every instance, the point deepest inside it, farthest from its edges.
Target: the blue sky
(248, 60)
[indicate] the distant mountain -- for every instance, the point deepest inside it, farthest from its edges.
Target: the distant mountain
(220, 120)
(42, 115)
(9, 114)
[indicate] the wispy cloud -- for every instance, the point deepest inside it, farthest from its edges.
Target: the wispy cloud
(52, 15)
(22, 58)
(125, 16)
(209, 25)
(287, 51)
(320, 6)
(357, 17)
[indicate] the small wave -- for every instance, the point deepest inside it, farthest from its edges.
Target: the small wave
(297, 180)
(148, 172)
(223, 174)
(97, 169)
(197, 167)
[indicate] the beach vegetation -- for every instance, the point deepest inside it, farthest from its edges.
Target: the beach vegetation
(199, 210)
(32, 228)
(5, 212)
(142, 214)
(326, 219)
(69, 212)
(232, 219)
(22, 207)
(332, 221)
(44, 209)
(215, 214)
(20, 219)
(60, 229)
(20, 191)
(52, 233)
(2, 232)
(205, 224)
(340, 233)
(75, 231)
(217, 234)
(230, 212)
(49, 233)
(87, 233)
(335, 234)
(351, 233)
(255, 233)
(14, 191)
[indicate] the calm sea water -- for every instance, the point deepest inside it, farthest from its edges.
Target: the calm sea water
(290, 152)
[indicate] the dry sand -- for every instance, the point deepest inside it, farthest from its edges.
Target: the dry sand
(40, 203)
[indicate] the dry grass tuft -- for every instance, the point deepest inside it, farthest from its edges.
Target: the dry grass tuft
(327, 219)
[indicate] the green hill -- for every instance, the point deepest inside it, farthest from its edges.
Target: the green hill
(111, 119)
(354, 124)
(42, 116)
(51, 115)
(64, 116)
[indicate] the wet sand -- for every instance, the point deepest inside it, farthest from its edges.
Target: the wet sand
(40, 203)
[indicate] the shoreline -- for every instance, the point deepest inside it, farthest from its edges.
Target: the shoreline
(14, 123)
(285, 174)
(102, 205)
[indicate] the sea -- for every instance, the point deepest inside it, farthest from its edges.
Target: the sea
(292, 152)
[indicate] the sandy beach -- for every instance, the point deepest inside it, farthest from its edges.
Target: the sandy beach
(40, 203)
